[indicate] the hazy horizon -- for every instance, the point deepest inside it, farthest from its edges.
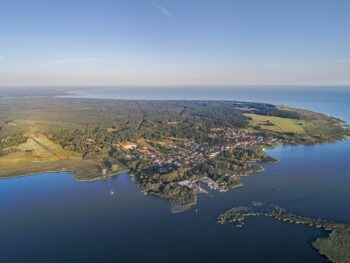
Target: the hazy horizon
(172, 43)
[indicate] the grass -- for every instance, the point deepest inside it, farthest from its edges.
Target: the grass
(41, 148)
(164, 143)
(39, 154)
(278, 124)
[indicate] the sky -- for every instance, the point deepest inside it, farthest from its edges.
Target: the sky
(174, 42)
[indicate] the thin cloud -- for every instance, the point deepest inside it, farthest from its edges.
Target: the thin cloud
(163, 10)
(67, 61)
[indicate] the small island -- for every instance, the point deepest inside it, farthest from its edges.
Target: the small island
(336, 247)
(171, 148)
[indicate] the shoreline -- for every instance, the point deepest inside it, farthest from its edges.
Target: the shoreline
(105, 177)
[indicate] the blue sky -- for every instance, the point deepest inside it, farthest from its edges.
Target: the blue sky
(174, 42)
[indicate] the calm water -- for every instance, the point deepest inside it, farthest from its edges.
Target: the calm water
(53, 218)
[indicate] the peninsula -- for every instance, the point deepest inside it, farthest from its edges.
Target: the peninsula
(336, 247)
(169, 147)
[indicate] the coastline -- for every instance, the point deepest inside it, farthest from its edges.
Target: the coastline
(72, 172)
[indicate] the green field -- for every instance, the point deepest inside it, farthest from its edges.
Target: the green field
(39, 154)
(278, 124)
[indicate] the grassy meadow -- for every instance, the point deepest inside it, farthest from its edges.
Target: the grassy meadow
(278, 124)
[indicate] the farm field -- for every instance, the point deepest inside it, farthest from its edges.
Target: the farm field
(39, 154)
(278, 124)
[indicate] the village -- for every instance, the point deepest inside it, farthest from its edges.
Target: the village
(191, 153)
(186, 153)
